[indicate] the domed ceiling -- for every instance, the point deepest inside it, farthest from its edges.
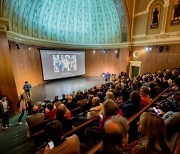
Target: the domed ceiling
(69, 21)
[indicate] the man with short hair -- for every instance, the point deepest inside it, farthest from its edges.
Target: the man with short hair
(27, 89)
(35, 118)
(54, 132)
(115, 135)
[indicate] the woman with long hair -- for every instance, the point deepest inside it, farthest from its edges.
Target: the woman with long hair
(22, 108)
(152, 127)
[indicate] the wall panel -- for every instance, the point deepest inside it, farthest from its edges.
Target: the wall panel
(7, 81)
(154, 60)
(26, 65)
(97, 63)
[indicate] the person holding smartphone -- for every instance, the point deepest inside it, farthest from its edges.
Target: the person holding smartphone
(58, 144)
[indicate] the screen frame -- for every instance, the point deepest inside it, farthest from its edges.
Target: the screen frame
(64, 77)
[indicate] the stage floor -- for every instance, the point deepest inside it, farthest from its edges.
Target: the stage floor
(58, 87)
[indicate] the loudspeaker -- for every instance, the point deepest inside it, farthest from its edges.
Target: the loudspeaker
(17, 46)
(161, 49)
(117, 55)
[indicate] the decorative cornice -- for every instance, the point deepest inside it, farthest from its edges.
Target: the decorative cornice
(139, 36)
(4, 24)
(15, 37)
(141, 13)
(158, 39)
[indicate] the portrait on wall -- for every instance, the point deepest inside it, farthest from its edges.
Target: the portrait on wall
(176, 13)
(155, 16)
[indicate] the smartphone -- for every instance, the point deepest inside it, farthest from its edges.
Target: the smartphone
(51, 145)
(155, 110)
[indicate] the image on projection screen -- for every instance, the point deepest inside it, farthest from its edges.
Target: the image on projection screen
(62, 64)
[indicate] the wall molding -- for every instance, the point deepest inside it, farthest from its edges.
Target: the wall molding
(19, 38)
(4, 24)
(158, 39)
(141, 13)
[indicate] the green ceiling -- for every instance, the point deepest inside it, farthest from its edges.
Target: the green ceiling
(69, 21)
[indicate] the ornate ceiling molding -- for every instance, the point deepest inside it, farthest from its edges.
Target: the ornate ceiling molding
(69, 21)
(15, 37)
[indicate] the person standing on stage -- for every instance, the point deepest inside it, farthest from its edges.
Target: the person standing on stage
(27, 89)
(4, 112)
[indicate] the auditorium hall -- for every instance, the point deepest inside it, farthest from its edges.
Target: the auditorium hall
(89, 76)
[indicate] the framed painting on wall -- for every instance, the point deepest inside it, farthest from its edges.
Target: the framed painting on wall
(176, 13)
(155, 14)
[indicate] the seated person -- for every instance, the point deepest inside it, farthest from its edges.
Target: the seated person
(133, 105)
(172, 123)
(64, 99)
(115, 135)
(33, 119)
(41, 109)
(152, 127)
(96, 110)
(110, 108)
(50, 112)
(57, 103)
(70, 104)
(70, 145)
(88, 104)
(67, 112)
(56, 98)
(61, 116)
(109, 95)
(144, 92)
(100, 95)
(172, 104)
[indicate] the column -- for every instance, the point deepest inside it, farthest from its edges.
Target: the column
(7, 80)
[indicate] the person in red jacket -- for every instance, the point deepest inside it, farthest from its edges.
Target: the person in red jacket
(144, 92)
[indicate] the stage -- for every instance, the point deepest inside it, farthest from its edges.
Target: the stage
(52, 88)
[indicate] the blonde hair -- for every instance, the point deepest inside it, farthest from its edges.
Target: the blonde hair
(96, 101)
(109, 95)
(39, 104)
(110, 107)
(151, 123)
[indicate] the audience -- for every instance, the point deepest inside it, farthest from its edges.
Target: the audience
(172, 123)
(61, 116)
(110, 108)
(50, 112)
(40, 108)
(144, 92)
(96, 110)
(133, 105)
(33, 119)
(115, 136)
(68, 114)
(70, 104)
(154, 141)
(54, 132)
(109, 95)
(112, 125)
